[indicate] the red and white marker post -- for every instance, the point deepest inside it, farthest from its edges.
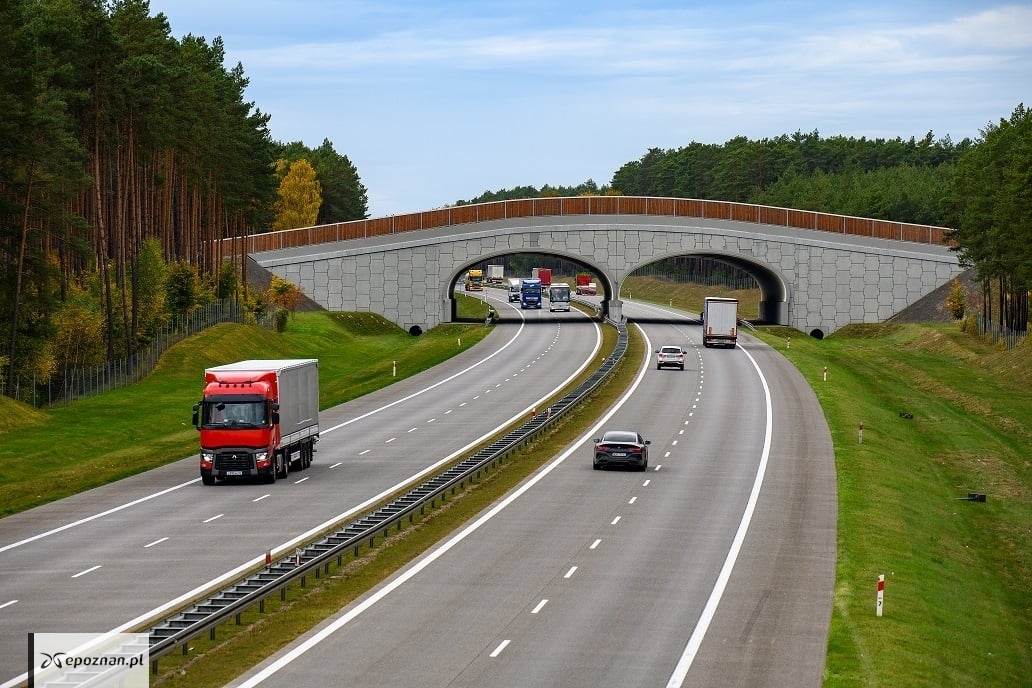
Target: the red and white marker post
(881, 595)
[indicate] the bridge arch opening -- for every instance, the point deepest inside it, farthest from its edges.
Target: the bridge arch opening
(725, 272)
(520, 264)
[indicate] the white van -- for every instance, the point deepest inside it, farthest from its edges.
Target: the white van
(514, 289)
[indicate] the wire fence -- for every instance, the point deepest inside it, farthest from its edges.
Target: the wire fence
(998, 334)
(79, 382)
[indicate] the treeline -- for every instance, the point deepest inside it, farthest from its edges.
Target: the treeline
(123, 152)
(980, 188)
(588, 188)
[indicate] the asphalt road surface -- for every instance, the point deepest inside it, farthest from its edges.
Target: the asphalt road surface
(713, 568)
(116, 557)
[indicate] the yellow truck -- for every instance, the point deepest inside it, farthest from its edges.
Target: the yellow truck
(475, 280)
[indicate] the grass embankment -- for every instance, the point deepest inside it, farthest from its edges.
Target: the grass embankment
(687, 297)
(238, 647)
(958, 591)
(48, 455)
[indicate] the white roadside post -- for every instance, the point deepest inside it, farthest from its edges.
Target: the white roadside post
(881, 595)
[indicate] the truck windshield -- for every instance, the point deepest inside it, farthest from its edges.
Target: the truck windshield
(559, 294)
(248, 414)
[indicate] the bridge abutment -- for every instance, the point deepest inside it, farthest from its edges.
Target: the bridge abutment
(808, 279)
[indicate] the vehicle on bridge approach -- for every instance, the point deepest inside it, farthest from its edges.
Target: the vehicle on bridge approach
(514, 289)
(621, 448)
(530, 293)
(258, 419)
(559, 297)
(719, 322)
(585, 285)
(495, 274)
(672, 356)
(475, 280)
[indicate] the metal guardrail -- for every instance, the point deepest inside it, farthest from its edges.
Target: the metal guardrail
(178, 629)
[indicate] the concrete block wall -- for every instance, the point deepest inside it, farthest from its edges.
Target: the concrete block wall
(813, 281)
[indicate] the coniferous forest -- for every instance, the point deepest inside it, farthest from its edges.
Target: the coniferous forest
(124, 151)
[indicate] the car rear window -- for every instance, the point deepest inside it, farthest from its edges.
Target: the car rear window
(620, 437)
(671, 350)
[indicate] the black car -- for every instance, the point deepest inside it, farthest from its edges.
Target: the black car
(621, 448)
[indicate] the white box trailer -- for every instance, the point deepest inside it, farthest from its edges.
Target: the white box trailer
(258, 418)
(495, 274)
(719, 322)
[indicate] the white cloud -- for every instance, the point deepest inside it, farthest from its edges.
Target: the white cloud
(435, 102)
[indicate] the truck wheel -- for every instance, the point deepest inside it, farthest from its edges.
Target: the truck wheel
(281, 466)
(207, 478)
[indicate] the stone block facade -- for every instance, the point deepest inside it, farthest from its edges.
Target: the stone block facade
(813, 281)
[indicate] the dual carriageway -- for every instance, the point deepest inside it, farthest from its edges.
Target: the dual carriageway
(714, 567)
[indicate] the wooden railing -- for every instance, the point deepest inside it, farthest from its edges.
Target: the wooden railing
(587, 205)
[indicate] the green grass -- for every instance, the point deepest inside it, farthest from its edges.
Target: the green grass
(958, 600)
(47, 455)
(958, 603)
(238, 647)
(687, 297)
(958, 573)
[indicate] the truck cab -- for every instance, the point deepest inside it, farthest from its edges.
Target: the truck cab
(530, 293)
(514, 290)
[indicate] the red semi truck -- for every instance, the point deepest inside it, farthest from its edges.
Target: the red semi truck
(258, 419)
(543, 274)
(584, 284)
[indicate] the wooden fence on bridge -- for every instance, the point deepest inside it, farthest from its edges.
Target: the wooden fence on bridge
(583, 205)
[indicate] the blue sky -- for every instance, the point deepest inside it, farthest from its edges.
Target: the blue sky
(439, 101)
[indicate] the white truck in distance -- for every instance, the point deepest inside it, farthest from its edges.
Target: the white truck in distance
(515, 284)
(495, 274)
(719, 322)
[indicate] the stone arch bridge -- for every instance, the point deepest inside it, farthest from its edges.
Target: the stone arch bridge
(816, 272)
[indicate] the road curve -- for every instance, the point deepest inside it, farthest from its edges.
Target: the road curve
(112, 557)
(714, 567)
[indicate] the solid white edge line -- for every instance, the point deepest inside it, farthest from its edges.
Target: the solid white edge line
(406, 575)
(695, 641)
(212, 585)
(176, 487)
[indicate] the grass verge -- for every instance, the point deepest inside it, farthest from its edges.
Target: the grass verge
(51, 454)
(943, 414)
(238, 647)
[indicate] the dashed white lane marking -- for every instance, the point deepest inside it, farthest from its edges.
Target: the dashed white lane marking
(501, 646)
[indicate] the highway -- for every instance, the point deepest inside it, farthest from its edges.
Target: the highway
(118, 556)
(714, 567)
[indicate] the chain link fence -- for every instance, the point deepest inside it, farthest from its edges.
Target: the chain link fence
(79, 382)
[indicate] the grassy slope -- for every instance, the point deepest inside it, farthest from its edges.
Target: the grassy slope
(47, 455)
(959, 574)
(958, 601)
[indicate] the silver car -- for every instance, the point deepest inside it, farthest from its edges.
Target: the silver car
(672, 356)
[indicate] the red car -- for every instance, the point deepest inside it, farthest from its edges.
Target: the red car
(621, 448)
